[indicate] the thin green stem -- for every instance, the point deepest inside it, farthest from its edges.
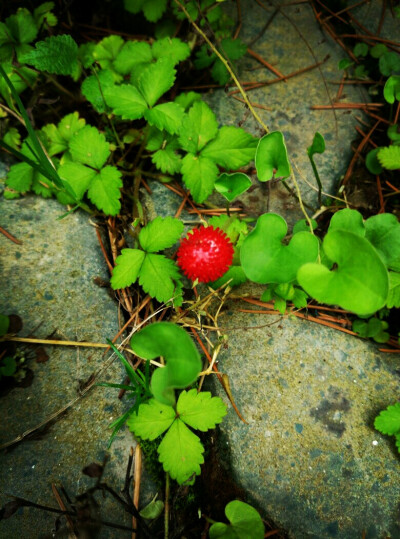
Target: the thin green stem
(226, 64)
(314, 167)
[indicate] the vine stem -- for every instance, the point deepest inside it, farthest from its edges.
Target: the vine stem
(226, 64)
(292, 177)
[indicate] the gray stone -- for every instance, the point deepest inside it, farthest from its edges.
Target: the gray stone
(291, 102)
(48, 282)
(309, 455)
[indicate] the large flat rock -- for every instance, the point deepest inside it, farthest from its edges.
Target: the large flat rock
(48, 282)
(309, 455)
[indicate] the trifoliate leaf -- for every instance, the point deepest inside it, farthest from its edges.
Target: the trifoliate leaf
(245, 523)
(181, 453)
(219, 72)
(199, 175)
(20, 177)
(156, 79)
(393, 299)
(94, 87)
(56, 54)
(204, 57)
(132, 54)
(104, 190)
(60, 135)
(158, 277)
(127, 268)
(106, 51)
(233, 48)
(41, 185)
(172, 48)
(22, 26)
(390, 157)
(199, 127)
(232, 148)
(200, 411)
(12, 138)
(186, 100)
(167, 160)
(89, 147)
(167, 116)
(78, 176)
(388, 421)
(160, 233)
(152, 419)
(85, 54)
(126, 101)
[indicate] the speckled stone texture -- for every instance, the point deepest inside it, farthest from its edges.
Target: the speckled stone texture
(309, 454)
(293, 41)
(48, 282)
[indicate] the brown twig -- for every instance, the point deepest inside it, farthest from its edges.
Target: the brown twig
(10, 236)
(357, 153)
(263, 62)
(137, 476)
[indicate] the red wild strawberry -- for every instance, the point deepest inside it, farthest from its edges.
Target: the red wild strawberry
(205, 254)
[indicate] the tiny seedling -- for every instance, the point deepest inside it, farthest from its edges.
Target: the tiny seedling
(244, 523)
(317, 146)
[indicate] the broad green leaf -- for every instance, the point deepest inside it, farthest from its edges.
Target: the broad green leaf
(104, 190)
(8, 366)
(43, 13)
(183, 362)
(391, 90)
(200, 411)
(127, 268)
(361, 49)
(199, 127)
(131, 55)
(167, 116)
(126, 101)
(317, 146)
(20, 177)
(389, 63)
(78, 176)
(152, 510)
(359, 283)
(56, 54)
(377, 50)
(232, 148)
(172, 48)
(181, 453)
(152, 419)
(393, 299)
(383, 231)
(372, 163)
(158, 277)
(271, 157)
(265, 259)
(389, 157)
(85, 54)
(106, 51)
(155, 80)
(374, 329)
(41, 185)
(22, 26)
(388, 421)
(245, 523)
(233, 185)
(393, 133)
(204, 57)
(350, 220)
(94, 87)
(233, 48)
(167, 160)
(89, 147)
(155, 139)
(160, 233)
(4, 324)
(199, 175)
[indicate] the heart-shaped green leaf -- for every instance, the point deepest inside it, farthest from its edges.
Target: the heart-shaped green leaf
(271, 157)
(183, 362)
(265, 259)
(317, 146)
(359, 283)
(372, 163)
(245, 523)
(231, 186)
(350, 220)
(383, 231)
